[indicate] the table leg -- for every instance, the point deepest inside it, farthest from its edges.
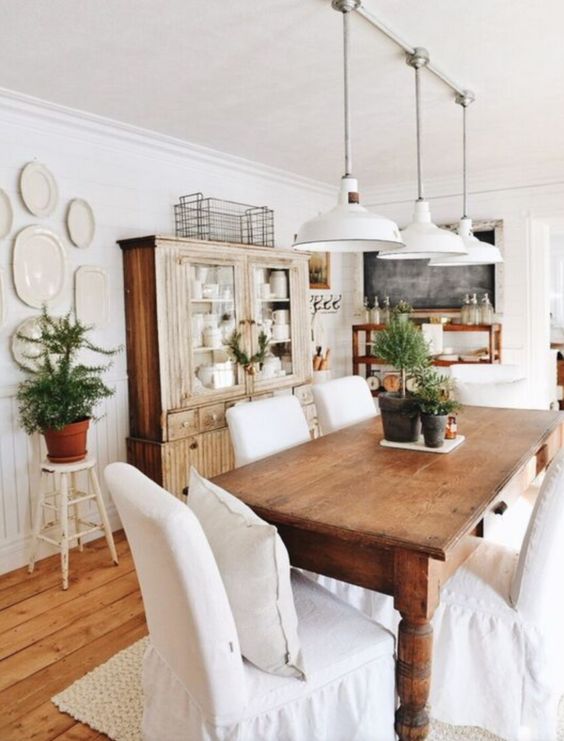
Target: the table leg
(416, 597)
(413, 677)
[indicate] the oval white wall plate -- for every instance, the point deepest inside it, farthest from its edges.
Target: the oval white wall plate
(80, 222)
(6, 214)
(40, 266)
(38, 189)
(24, 352)
(91, 295)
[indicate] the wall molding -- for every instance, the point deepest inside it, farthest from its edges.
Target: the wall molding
(124, 137)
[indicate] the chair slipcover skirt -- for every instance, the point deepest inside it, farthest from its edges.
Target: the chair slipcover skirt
(348, 696)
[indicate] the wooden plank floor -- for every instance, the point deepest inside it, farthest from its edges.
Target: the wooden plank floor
(49, 638)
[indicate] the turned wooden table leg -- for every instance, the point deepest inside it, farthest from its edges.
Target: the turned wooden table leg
(416, 597)
(413, 677)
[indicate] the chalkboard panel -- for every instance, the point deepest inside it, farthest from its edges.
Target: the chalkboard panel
(424, 287)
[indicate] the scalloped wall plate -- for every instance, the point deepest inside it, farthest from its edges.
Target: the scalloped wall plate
(6, 214)
(91, 295)
(38, 189)
(40, 266)
(80, 222)
(23, 352)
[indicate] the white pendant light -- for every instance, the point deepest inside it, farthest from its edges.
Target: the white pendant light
(479, 253)
(349, 227)
(423, 240)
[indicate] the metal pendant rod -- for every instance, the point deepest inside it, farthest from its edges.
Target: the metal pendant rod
(418, 130)
(417, 59)
(464, 99)
(377, 23)
(348, 148)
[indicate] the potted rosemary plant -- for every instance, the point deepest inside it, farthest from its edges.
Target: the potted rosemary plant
(59, 397)
(435, 402)
(401, 344)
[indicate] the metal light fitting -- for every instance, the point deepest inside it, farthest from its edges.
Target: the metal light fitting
(348, 227)
(478, 252)
(423, 239)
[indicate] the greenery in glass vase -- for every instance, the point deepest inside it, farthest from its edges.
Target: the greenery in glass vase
(402, 345)
(433, 393)
(61, 390)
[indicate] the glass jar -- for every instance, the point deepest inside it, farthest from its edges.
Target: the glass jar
(375, 312)
(474, 313)
(464, 310)
(365, 312)
(486, 310)
(386, 312)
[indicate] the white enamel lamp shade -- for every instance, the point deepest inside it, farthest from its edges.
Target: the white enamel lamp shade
(425, 241)
(349, 227)
(479, 253)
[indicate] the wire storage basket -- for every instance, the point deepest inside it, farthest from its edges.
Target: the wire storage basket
(217, 220)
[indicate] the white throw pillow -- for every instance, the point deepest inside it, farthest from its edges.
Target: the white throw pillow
(255, 568)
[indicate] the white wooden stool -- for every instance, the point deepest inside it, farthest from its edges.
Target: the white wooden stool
(68, 495)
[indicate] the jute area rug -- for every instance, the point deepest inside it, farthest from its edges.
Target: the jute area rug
(109, 699)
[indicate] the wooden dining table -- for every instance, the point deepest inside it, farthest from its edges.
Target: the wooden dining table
(399, 521)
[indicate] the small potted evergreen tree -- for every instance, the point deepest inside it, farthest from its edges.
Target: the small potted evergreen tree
(434, 398)
(59, 397)
(402, 345)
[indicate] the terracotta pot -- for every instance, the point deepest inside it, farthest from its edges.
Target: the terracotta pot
(69, 444)
(400, 418)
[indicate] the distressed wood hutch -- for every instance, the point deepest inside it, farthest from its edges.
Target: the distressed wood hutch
(181, 380)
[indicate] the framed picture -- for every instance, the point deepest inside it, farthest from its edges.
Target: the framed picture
(320, 270)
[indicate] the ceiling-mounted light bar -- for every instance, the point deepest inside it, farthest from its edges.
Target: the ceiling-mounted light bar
(392, 35)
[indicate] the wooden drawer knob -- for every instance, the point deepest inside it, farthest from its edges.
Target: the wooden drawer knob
(500, 508)
(186, 424)
(194, 445)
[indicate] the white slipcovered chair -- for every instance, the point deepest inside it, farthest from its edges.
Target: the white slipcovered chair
(504, 386)
(499, 649)
(343, 402)
(489, 385)
(262, 428)
(498, 653)
(197, 686)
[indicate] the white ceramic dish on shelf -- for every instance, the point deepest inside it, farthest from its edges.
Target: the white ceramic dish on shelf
(38, 189)
(6, 214)
(91, 295)
(24, 352)
(40, 266)
(81, 224)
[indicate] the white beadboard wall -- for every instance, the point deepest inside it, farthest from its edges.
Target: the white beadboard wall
(131, 179)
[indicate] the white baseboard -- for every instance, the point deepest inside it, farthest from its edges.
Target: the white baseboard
(15, 554)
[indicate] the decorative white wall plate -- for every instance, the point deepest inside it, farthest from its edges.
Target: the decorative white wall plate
(91, 295)
(40, 266)
(25, 352)
(80, 222)
(38, 189)
(2, 298)
(6, 214)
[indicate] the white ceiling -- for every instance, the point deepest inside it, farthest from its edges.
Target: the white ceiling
(263, 80)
